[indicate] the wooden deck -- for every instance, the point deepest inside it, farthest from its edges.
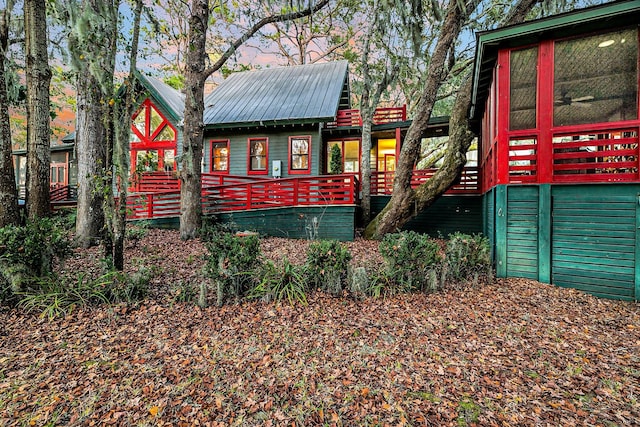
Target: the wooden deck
(227, 193)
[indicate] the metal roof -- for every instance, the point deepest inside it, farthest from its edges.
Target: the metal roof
(171, 99)
(283, 95)
(611, 15)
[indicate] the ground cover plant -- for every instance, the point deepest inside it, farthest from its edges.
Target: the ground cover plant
(514, 352)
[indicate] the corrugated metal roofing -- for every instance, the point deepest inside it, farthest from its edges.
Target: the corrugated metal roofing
(172, 99)
(298, 94)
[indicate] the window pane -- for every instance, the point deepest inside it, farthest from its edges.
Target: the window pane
(300, 153)
(169, 160)
(139, 122)
(258, 152)
(156, 120)
(299, 162)
(167, 134)
(352, 156)
(61, 174)
(596, 79)
(147, 161)
(219, 156)
(522, 98)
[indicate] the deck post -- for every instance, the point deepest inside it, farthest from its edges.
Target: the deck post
(295, 192)
(544, 233)
(249, 188)
(150, 205)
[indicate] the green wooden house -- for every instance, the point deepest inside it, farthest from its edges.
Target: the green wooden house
(556, 104)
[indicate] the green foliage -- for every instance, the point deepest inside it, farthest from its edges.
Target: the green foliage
(137, 231)
(468, 258)
(36, 245)
(326, 266)
(231, 262)
(412, 260)
(284, 282)
(176, 81)
(335, 162)
(56, 296)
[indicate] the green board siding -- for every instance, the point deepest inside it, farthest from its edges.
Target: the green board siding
(594, 239)
(333, 222)
(522, 232)
(489, 221)
(446, 216)
(585, 237)
(278, 148)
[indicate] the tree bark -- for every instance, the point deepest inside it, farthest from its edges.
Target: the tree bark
(190, 173)
(122, 132)
(91, 155)
(405, 202)
(9, 214)
(38, 77)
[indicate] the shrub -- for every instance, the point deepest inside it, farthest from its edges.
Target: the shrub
(284, 282)
(412, 260)
(36, 245)
(232, 262)
(468, 258)
(326, 265)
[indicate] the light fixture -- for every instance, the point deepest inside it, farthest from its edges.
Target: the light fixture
(606, 43)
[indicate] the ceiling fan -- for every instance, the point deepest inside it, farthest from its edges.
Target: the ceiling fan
(566, 99)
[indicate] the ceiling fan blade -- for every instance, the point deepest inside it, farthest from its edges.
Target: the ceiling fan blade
(582, 98)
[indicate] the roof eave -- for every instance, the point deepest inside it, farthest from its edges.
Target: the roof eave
(267, 123)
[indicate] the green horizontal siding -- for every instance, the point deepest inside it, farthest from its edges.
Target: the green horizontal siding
(594, 239)
(449, 214)
(278, 148)
(333, 222)
(522, 232)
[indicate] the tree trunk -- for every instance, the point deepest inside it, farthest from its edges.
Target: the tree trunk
(9, 214)
(190, 173)
(405, 202)
(38, 76)
(122, 132)
(91, 155)
(365, 166)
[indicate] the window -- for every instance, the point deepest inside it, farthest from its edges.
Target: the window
(153, 140)
(350, 150)
(523, 77)
(299, 154)
(149, 127)
(258, 155)
(596, 78)
(220, 156)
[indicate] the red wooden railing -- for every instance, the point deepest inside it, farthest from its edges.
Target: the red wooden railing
(154, 181)
(254, 194)
(380, 116)
(610, 156)
(64, 193)
(382, 182)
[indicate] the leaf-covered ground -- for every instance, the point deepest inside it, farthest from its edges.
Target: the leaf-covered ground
(512, 353)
